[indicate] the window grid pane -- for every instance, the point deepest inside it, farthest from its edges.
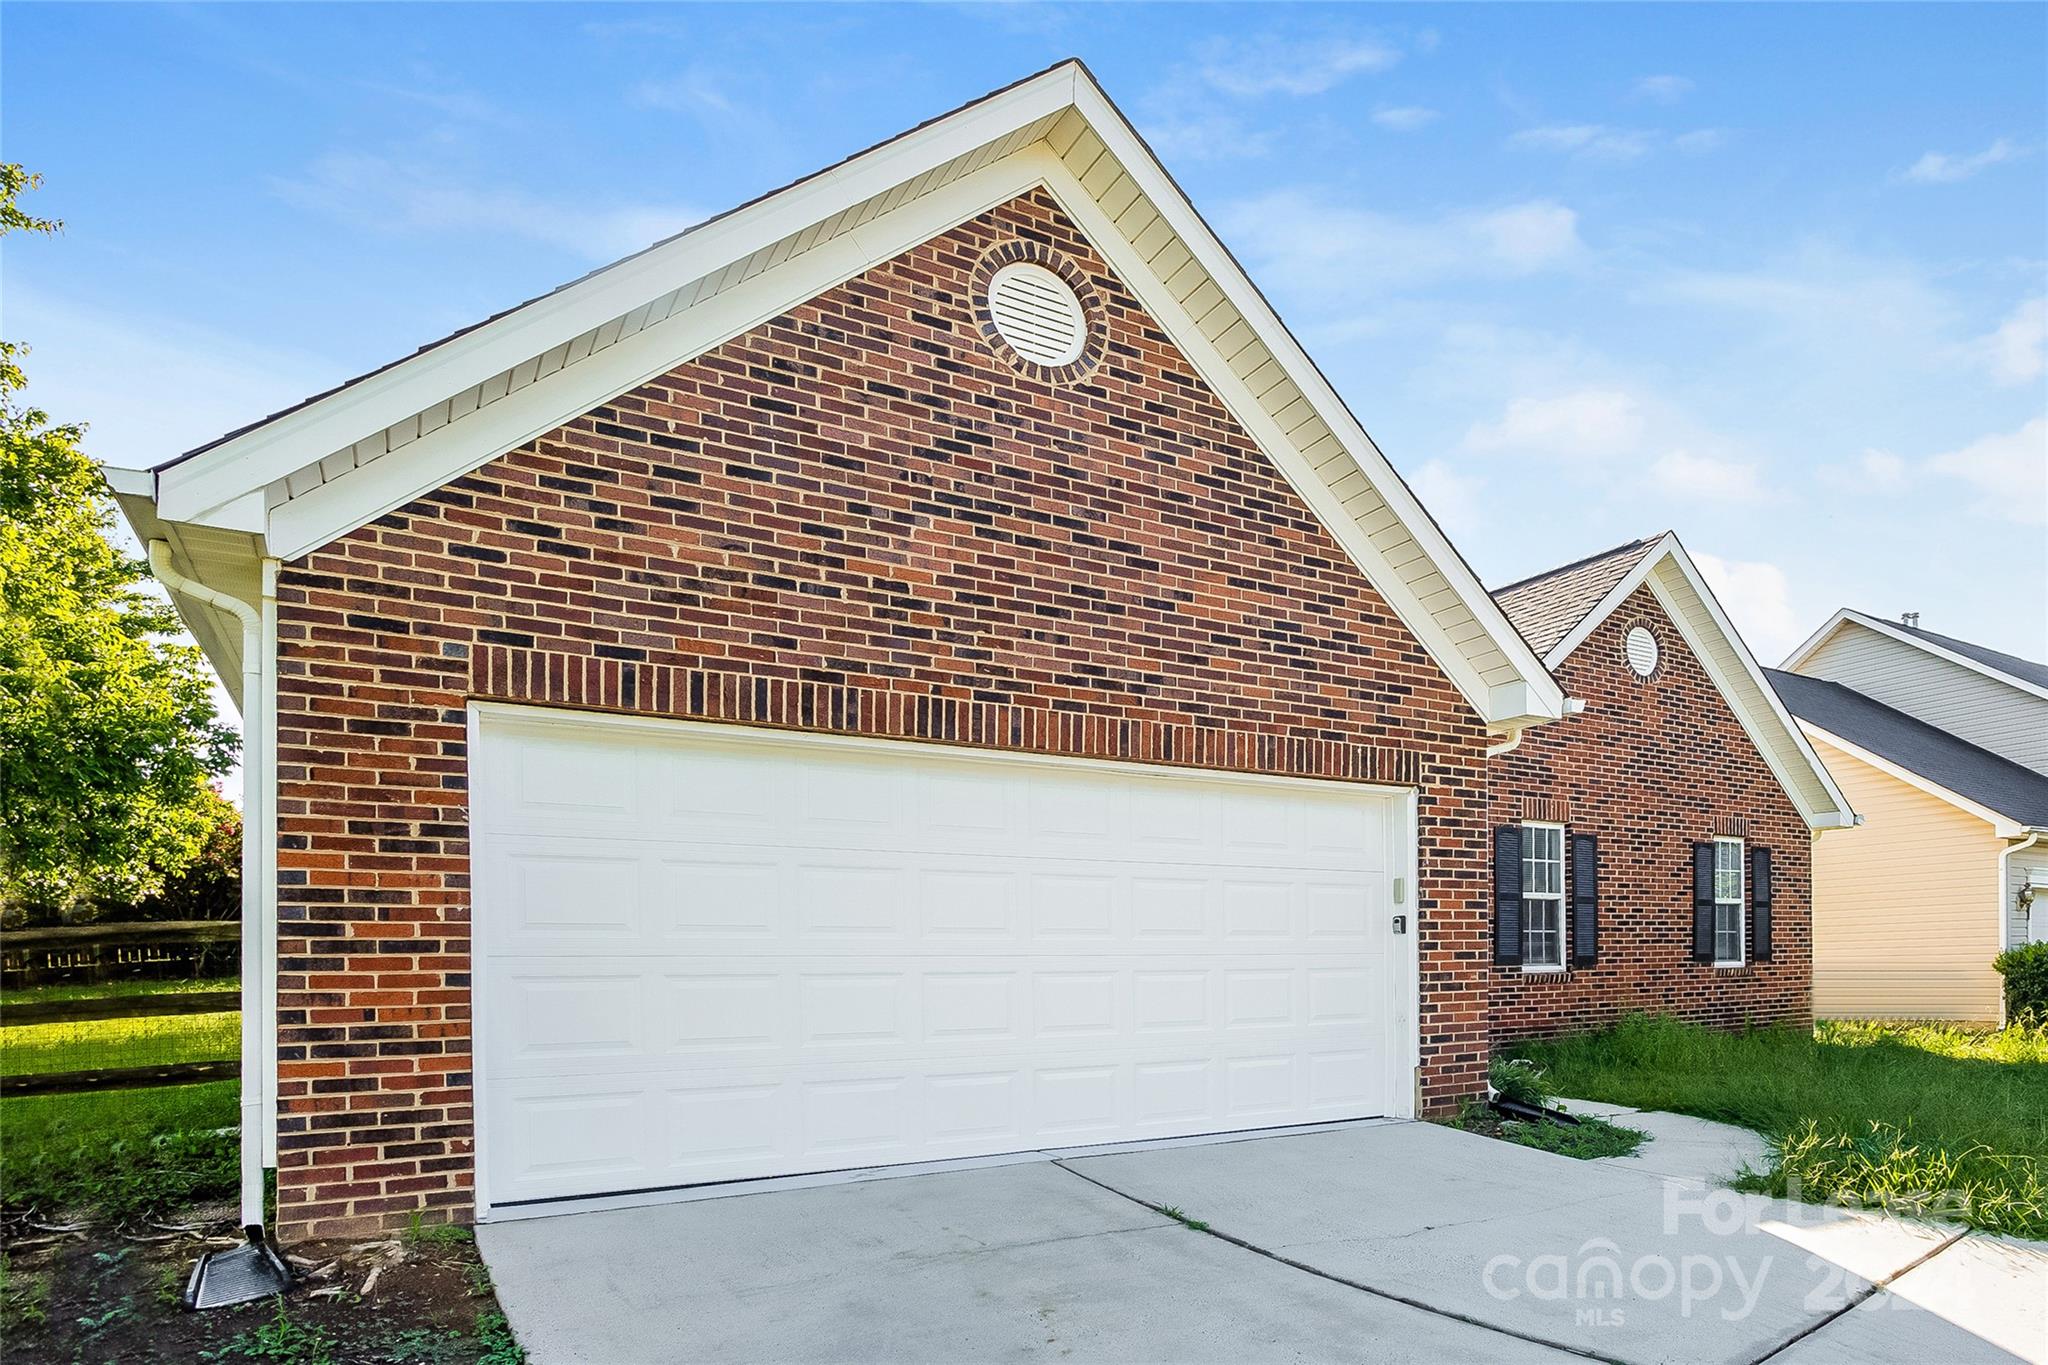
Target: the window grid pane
(1728, 900)
(1542, 896)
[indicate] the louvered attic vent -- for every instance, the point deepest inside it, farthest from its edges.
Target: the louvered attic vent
(1038, 314)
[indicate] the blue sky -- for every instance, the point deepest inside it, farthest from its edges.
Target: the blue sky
(1773, 276)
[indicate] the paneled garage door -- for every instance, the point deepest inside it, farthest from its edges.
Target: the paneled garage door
(708, 953)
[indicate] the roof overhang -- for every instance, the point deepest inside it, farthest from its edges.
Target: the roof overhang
(2004, 826)
(1672, 577)
(293, 482)
(1849, 617)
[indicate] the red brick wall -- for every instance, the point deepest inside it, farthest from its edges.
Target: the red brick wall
(856, 517)
(1652, 766)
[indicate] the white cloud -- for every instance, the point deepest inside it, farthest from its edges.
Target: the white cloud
(390, 195)
(2010, 470)
(1684, 474)
(1700, 140)
(1271, 65)
(1663, 89)
(1882, 471)
(1452, 498)
(1212, 136)
(2015, 350)
(1591, 141)
(1588, 424)
(1758, 599)
(1296, 241)
(1944, 168)
(180, 384)
(1404, 118)
(1529, 237)
(695, 91)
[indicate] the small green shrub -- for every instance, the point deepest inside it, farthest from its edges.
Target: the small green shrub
(281, 1339)
(1521, 1081)
(495, 1342)
(2025, 970)
(421, 1233)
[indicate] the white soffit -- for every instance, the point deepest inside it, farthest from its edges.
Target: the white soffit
(315, 472)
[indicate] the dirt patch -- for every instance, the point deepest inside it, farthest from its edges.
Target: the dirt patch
(81, 1295)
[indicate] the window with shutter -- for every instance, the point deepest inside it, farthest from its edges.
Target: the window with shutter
(1507, 895)
(1585, 900)
(1760, 904)
(1703, 902)
(1728, 899)
(1542, 897)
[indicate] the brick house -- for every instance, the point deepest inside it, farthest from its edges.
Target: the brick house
(1653, 850)
(920, 665)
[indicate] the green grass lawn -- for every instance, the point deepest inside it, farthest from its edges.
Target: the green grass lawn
(1911, 1117)
(114, 990)
(123, 1152)
(99, 1044)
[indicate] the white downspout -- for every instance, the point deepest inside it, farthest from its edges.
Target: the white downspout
(254, 727)
(2004, 909)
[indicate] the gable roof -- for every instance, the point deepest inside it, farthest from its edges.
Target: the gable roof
(2024, 674)
(302, 477)
(1566, 605)
(1546, 607)
(1956, 766)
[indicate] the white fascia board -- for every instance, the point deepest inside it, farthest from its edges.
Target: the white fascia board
(1669, 549)
(123, 482)
(279, 447)
(1839, 815)
(1166, 196)
(2002, 825)
(1891, 632)
(1606, 606)
(336, 507)
(1215, 371)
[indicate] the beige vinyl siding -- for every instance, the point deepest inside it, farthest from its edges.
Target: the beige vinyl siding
(1905, 920)
(1983, 711)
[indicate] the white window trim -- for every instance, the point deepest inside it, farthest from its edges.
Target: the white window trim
(1563, 963)
(1741, 904)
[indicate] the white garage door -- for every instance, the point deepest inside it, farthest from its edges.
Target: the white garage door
(708, 953)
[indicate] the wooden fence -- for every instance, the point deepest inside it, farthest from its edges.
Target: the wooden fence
(93, 954)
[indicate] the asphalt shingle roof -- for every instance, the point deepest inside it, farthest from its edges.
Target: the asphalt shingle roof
(2011, 664)
(2018, 793)
(1546, 607)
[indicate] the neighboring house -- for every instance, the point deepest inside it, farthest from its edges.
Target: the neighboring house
(921, 665)
(1651, 851)
(1943, 747)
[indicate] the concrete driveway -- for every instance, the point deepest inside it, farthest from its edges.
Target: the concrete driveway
(1396, 1241)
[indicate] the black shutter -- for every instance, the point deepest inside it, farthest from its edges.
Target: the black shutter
(1703, 902)
(1585, 900)
(1507, 895)
(1760, 904)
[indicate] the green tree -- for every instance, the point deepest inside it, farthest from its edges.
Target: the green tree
(109, 739)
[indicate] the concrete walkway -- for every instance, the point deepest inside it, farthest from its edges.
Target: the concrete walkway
(1397, 1241)
(1681, 1147)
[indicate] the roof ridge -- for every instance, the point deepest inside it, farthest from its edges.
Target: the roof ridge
(1580, 562)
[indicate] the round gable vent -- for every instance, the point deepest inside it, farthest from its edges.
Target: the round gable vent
(1641, 647)
(1037, 313)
